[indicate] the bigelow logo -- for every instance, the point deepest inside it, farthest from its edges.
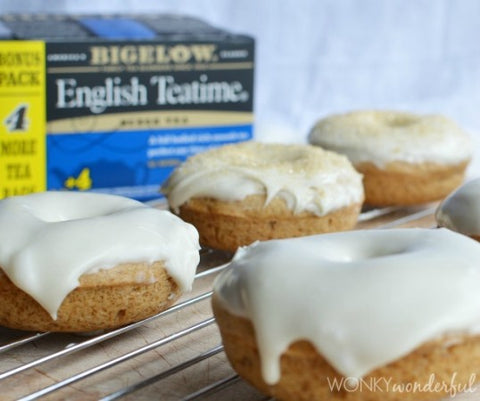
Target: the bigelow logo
(153, 54)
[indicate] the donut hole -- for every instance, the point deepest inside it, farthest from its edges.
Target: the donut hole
(69, 206)
(292, 157)
(377, 252)
(400, 120)
(364, 251)
(281, 157)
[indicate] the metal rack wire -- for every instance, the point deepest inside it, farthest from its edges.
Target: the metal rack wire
(63, 366)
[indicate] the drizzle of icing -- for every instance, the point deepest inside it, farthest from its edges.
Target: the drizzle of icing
(362, 298)
(306, 177)
(48, 240)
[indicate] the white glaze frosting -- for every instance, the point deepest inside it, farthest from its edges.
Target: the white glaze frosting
(48, 240)
(382, 137)
(460, 211)
(306, 177)
(362, 298)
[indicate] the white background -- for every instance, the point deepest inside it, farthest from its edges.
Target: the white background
(315, 57)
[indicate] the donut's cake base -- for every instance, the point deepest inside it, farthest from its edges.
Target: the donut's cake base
(307, 376)
(402, 183)
(107, 299)
(229, 225)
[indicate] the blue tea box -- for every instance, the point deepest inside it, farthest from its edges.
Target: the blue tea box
(113, 103)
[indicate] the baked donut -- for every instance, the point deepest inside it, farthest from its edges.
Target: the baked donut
(460, 211)
(405, 158)
(321, 318)
(76, 262)
(237, 194)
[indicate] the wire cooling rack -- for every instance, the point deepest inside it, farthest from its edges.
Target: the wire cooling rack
(175, 355)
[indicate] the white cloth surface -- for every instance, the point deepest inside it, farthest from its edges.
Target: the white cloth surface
(315, 57)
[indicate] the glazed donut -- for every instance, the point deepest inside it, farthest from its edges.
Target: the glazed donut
(297, 315)
(240, 193)
(405, 158)
(460, 211)
(77, 262)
